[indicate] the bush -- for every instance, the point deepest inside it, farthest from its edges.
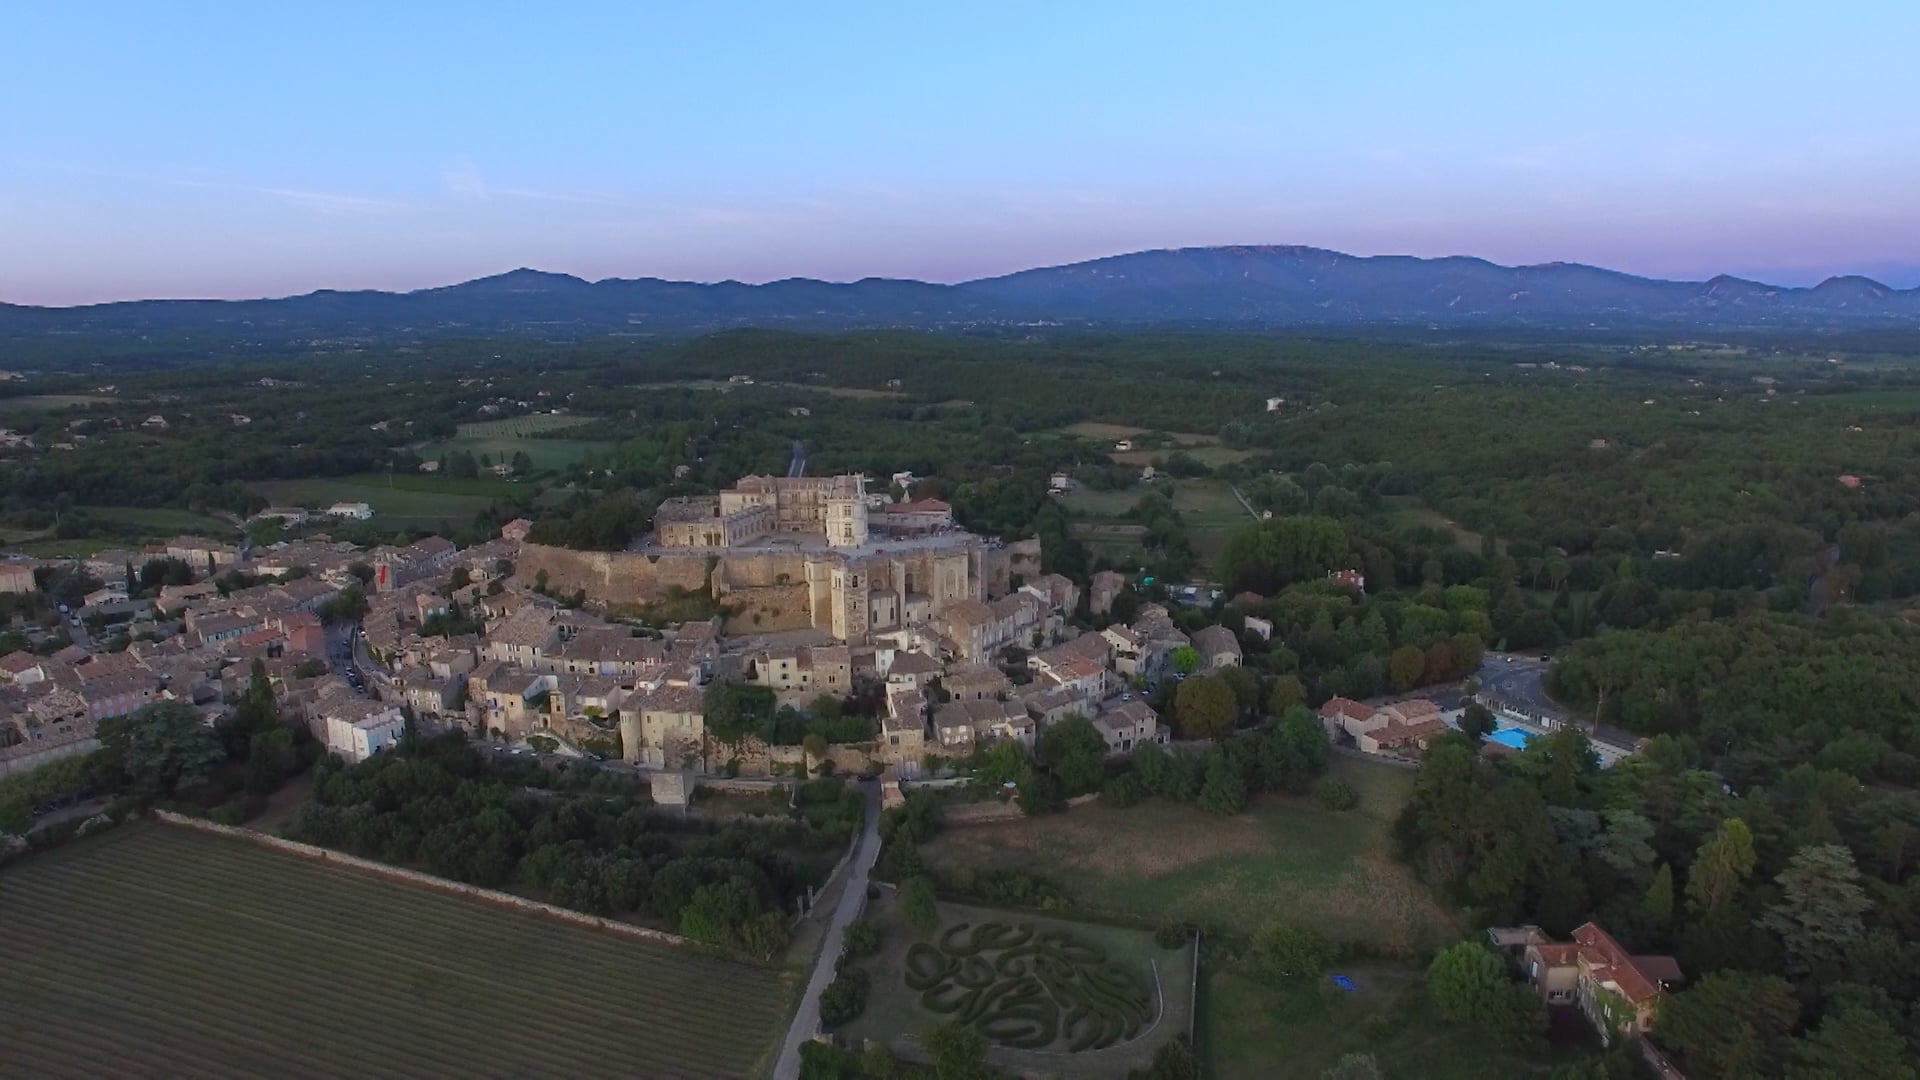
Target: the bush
(1172, 935)
(1336, 794)
(844, 999)
(917, 904)
(1297, 952)
(862, 938)
(1123, 791)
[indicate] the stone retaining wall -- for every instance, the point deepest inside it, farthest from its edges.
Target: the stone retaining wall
(417, 878)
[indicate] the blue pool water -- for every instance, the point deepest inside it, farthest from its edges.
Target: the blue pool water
(1514, 737)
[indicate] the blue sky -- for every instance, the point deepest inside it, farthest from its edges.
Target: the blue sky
(200, 149)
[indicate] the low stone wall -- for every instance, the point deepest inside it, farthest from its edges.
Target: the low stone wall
(428, 880)
(27, 757)
(983, 813)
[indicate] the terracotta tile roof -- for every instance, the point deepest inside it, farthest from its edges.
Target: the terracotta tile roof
(1608, 962)
(1346, 708)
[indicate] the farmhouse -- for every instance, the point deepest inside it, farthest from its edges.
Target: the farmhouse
(1617, 991)
(351, 511)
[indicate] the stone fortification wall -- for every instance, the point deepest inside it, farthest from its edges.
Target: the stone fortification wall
(764, 610)
(613, 577)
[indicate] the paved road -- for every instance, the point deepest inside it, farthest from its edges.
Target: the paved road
(77, 632)
(797, 465)
(806, 1022)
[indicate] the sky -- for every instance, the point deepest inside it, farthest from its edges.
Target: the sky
(235, 150)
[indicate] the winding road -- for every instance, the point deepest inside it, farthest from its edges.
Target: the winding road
(853, 898)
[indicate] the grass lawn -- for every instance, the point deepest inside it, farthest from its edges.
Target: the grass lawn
(1259, 1029)
(420, 501)
(895, 1011)
(545, 453)
(159, 951)
(1163, 861)
(1407, 509)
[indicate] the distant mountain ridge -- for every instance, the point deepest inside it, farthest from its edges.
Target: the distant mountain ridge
(1226, 287)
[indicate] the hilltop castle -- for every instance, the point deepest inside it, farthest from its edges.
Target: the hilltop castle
(830, 508)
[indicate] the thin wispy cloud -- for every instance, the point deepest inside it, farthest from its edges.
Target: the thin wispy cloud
(467, 184)
(319, 202)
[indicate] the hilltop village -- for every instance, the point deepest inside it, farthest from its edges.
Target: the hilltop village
(815, 589)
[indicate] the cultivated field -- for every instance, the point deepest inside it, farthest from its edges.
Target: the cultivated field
(520, 427)
(1054, 996)
(1207, 507)
(421, 501)
(157, 951)
(1164, 861)
(501, 439)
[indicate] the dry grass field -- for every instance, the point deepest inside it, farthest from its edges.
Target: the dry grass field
(158, 951)
(1161, 861)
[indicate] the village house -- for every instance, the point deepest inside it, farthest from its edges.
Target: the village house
(1617, 991)
(1105, 587)
(357, 728)
(961, 725)
(1051, 704)
(914, 670)
(903, 730)
(976, 682)
(523, 636)
(1127, 649)
(1217, 646)
(202, 555)
(666, 728)
(351, 511)
(1345, 716)
(918, 516)
(1058, 590)
(1131, 724)
(22, 669)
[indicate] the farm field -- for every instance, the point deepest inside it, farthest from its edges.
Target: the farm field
(1094, 429)
(501, 439)
(163, 522)
(1211, 456)
(1207, 506)
(397, 501)
(154, 950)
(49, 402)
(858, 393)
(1162, 861)
(1145, 997)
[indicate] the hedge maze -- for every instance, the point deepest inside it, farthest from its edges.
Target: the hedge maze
(1028, 989)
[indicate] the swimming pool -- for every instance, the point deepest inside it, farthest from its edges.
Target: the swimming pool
(1514, 737)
